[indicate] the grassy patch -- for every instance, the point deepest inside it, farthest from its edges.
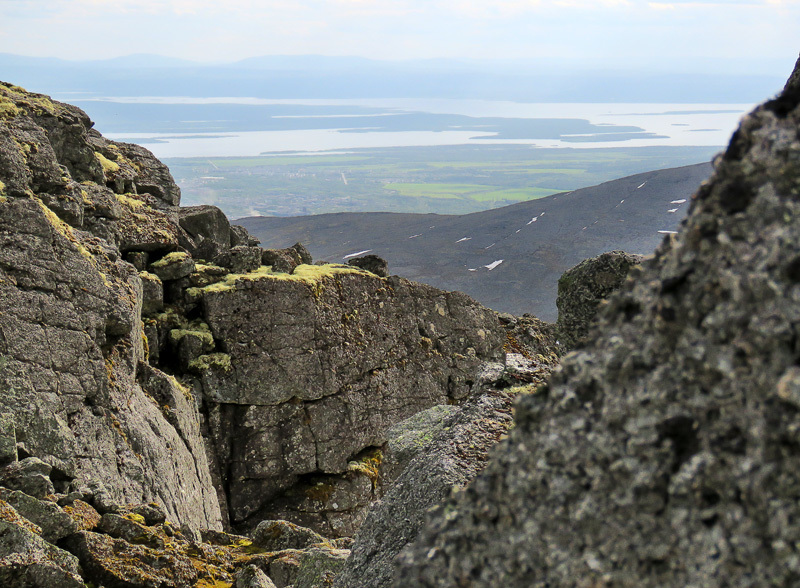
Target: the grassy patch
(268, 160)
(476, 192)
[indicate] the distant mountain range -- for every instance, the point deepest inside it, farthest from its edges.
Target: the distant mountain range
(315, 76)
(508, 258)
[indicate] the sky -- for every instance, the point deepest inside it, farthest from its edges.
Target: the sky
(749, 36)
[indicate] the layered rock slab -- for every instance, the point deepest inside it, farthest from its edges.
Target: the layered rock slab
(321, 363)
(664, 453)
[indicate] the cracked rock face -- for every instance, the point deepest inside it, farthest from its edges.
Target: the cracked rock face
(295, 373)
(665, 452)
(320, 370)
(71, 347)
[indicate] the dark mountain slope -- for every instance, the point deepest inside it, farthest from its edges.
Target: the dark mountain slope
(453, 252)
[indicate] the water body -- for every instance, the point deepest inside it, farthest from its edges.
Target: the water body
(205, 127)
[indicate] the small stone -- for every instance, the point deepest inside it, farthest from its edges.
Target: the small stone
(279, 260)
(152, 293)
(152, 513)
(54, 522)
(371, 263)
(31, 476)
(319, 567)
(278, 535)
(241, 236)
(305, 256)
(173, 266)
(252, 577)
(240, 259)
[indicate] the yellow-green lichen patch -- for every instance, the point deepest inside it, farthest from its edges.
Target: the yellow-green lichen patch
(109, 166)
(21, 99)
(220, 361)
(2, 188)
(7, 108)
(368, 464)
(9, 514)
(197, 328)
(136, 518)
(209, 268)
(129, 201)
(66, 231)
(170, 258)
(308, 274)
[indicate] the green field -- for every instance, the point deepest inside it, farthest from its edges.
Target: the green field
(475, 192)
(443, 179)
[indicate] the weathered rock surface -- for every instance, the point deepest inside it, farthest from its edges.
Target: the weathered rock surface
(206, 231)
(252, 577)
(321, 363)
(157, 365)
(452, 447)
(663, 453)
(371, 263)
(582, 288)
(70, 331)
(319, 567)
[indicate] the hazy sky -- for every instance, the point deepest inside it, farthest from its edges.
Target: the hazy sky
(754, 34)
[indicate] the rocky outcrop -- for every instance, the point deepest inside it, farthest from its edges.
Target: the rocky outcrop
(320, 363)
(438, 452)
(150, 353)
(372, 263)
(71, 345)
(582, 288)
(664, 452)
(71, 546)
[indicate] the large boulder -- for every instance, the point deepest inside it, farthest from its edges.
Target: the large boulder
(582, 288)
(72, 375)
(321, 363)
(206, 231)
(663, 453)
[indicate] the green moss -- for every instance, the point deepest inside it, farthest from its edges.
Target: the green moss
(204, 334)
(131, 203)
(109, 166)
(221, 361)
(308, 274)
(170, 258)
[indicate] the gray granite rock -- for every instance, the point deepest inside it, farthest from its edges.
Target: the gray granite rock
(452, 451)
(320, 364)
(319, 567)
(72, 344)
(252, 577)
(54, 522)
(280, 535)
(582, 288)
(28, 561)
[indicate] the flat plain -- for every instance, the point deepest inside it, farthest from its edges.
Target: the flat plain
(456, 179)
